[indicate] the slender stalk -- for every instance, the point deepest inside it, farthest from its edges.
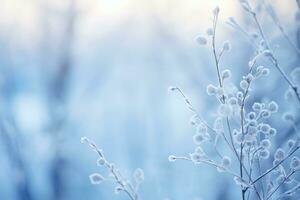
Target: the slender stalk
(273, 59)
(118, 178)
(278, 186)
(275, 166)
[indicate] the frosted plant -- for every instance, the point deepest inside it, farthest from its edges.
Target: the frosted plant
(122, 184)
(265, 49)
(270, 10)
(244, 129)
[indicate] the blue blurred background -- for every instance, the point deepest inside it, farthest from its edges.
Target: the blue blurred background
(101, 69)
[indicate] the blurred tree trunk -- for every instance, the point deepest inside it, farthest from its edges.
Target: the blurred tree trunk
(58, 72)
(58, 92)
(12, 139)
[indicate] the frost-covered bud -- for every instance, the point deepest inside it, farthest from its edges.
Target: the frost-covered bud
(138, 175)
(220, 91)
(96, 178)
(272, 132)
(251, 115)
(210, 31)
(238, 138)
(296, 75)
(291, 143)
(265, 72)
(245, 5)
(216, 10)
(280, 179)
(231, 20)
(252, 130)
(84, 140)
(252, 123)
(199, 151)
(254, 35)
(226, 74)
(226, 46)
(240, 182)
(239, 95)
(201, 40)
(224, 110)
(265, 143)
(199, 138)
(172, 88)
(268, 53)
(288, 94)
(195, 157)
(202, 129)
(257, 106)
(260, 68)
(273, 106)
(249, 78)
(249, 138)
(218, 125)
(211, 90)
(233, 101)
(265, 128)
(270, 187)
(295, 163)
(226, 161)
(172, 158)
(100, 161)
(264, 154)
(288, 117)
(195, 120)
(118, 190)
(279, 154)
(244, 85)
(266, 114)
(276, 162)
